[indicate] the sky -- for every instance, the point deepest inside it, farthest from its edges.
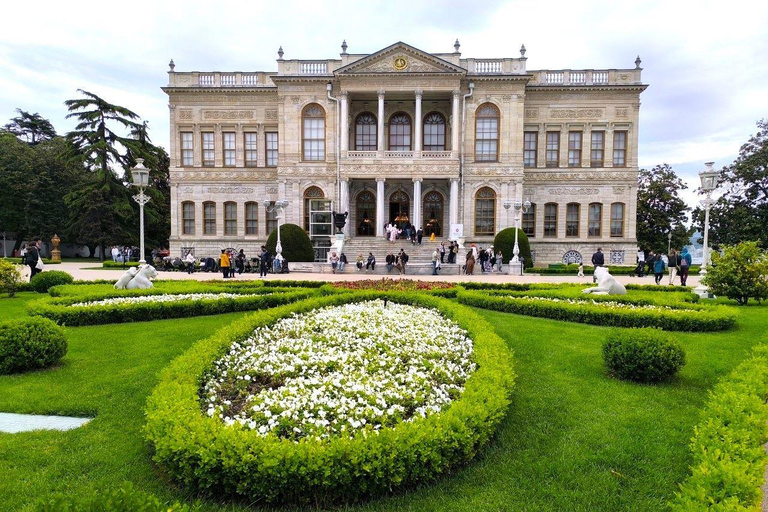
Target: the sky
(705, 61)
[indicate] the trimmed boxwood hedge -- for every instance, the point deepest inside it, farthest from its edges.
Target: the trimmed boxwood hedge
(119, 264)
(729, 456)
(61, 311)
(642, 355)
(689, 317)
(203, 454)
(30, 344)
(43, 281)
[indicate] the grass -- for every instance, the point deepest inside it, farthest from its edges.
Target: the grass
(574, 439)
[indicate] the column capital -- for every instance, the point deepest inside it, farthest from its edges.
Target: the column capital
(418, 93)
(381, 93)
(343, 94)
(417, 180)
(456, 92)
(381, 180)
(454, 180)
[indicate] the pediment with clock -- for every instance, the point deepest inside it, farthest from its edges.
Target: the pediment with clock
(400, 58)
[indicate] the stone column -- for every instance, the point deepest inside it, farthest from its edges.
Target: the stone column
(417, 125)
(197, 145)
(344, 204)
(417, 220)
(380, 128)
(455, 124)
(380, 200)
(343, 101)
(453, 203)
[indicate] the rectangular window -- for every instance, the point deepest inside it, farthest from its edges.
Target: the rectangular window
(270, 140)
(250, 149)
(229, 148)
(619, 149)
(314, 139)
(271, 220)
(597, 149)
(485, 215)
(251, 219)
(187, 149)
(208, 148)
(230, 218)
(574, 149)
(617, 219)
(529, 222)
(550, 220)
(209, 218)
(487, 143)
(553, 149)
(595, 224)
(188, 218)
(572, 220)
(530, 142)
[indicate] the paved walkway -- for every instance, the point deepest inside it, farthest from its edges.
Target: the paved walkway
(13, 423)
(89, 271)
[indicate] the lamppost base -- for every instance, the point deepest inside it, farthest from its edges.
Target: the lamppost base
(515, 268)
(703, 292)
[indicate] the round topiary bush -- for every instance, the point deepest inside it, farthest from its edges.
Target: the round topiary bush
(296, 243)
(642, 355)
(45, 280)
(10, 278)
(505, 242)
(30, 344)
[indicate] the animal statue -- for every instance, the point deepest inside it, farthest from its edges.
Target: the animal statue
(137, 278)
(606, 284)
(126, 278)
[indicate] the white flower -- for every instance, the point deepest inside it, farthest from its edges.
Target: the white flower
(142, 299)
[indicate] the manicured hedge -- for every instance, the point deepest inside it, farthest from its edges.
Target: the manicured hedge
(642, 355)
(43, 281)
(685, 318)
(30, 344)
(203, 454)
(61, 311)
(729, 458)
(589, 270)
(119, 264)
(160, 287)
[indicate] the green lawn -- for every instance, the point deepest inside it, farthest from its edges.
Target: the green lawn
(574, 439)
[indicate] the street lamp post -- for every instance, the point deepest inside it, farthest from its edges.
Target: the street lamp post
(708, 185)
(515, 266)
(507, 205)
(140, 176)
(278, 207)
(669, 242)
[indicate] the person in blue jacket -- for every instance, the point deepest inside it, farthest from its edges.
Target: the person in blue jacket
(658, 269)
(685, 265)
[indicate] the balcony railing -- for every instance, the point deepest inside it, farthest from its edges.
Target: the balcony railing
(217, 79)
(361, 154)
(488, 67)
(398, 154)
(587, 77)
(440, 155)
(313, 68)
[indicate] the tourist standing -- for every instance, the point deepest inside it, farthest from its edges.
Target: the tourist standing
(240, 261)
(685, 265)
(264, 263)
(403, 260)
(673, 263)
(224, 263)
(470, 264)
(499, 260)
(419, 235)
(435, 256)
(190, 260)
(598, 260)
(442, 252)
(658, 269)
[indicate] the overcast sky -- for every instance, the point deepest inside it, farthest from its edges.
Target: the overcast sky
(706, 61)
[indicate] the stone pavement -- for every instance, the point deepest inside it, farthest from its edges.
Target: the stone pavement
(13, 423)
(90, 271)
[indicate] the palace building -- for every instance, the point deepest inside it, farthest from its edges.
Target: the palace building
(447, 143)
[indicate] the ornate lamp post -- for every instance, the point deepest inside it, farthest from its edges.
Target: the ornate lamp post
(507, 205)
(515, 266)
(140, 176)
(277, 207)
(669, 242)
(708, 185)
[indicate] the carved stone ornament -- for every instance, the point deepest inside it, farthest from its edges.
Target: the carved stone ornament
(229, 190)
(185, 114)
(227, 114)
(622, 111)
(187, 190)
(576, 113)
(270, 115)
(574, 191)
(531, 113)
(581, 176)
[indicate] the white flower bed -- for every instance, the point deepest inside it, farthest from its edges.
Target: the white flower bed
(336, 370)
(161, 298)
(601, 303)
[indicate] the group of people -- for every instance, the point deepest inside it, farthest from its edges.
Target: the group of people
(487, 259)
(677, 263)
(126, 253)
(398, 261)
(31, 257)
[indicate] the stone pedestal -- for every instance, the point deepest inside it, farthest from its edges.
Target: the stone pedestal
(515, 268)
(55, 253)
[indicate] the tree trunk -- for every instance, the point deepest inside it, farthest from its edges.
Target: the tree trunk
(91, 251)
(101, 255)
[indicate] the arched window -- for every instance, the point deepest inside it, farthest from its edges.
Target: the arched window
(188, 218)
(572, 211)
(230, 218)
(366, 135)
(529, 222)
(550, 220)
(433, 213)
(313, 133)
(434, 132)
(487, 133)
(485, 211)
(251, 218)
(595, 226)
(617, 219)
(366, 213)
(310, 194)
(400, 132)
(209, 218)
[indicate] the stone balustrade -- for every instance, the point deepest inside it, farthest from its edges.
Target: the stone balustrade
(218, 79)
(586, 77)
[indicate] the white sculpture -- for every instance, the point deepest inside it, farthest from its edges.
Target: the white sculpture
(137, 278)
(606, 284)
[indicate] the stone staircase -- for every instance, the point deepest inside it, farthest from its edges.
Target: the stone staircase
(419, 256)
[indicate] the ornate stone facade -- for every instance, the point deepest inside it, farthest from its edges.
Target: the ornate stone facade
(434, 140)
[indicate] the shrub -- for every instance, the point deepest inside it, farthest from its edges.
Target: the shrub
(10, 278)
(642, 355)
(45, 280)
(739, 273)
(124, 499)
(30, 344)
(505, 242)
(296, 243)
(729, 458)
(119, 264)
(204, 454)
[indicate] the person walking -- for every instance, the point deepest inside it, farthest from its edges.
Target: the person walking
(658, 269)
(673, 261)
(264, 263)
(442, 252)
(435, 260)
(190, 261)
(224, 263)
(419, 235)
(470, 263)
(685, 265)
(499, 260)
(240, 261)
(33, 258)
(598, 260)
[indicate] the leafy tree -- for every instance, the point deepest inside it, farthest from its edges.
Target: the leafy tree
(31, 128)
(102, 212)
(741, 213)
(660, 210)
(739, 273)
